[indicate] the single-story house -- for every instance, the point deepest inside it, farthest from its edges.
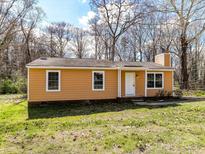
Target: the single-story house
(64, 79)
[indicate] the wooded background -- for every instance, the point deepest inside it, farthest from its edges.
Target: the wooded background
(122, 30)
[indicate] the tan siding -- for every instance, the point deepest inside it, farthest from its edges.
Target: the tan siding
(75, 85)
(167, 84)
(139, 83)
(123, 83)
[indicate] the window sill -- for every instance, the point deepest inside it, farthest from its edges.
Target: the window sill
(98, 89)
(53, 90)
(155, 88)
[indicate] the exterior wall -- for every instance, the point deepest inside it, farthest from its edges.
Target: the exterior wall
(75, 85)
(139, 83)
(163, 59)
(167, 84)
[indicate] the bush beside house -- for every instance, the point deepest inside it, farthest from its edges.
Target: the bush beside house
(9, 86)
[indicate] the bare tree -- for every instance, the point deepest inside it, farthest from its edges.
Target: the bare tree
(187, 14)
(63, 35)
(28, 25)
(57, 35)
(79, 42)
(10, 15)
(118, 16)
(137, 38)
(50, 41)
(11, 12)
(102, 39)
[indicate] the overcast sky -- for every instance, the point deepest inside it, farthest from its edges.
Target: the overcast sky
(75, 12)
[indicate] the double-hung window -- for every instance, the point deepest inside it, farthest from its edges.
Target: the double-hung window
(98, 80)
(52, 80)
(155, 80)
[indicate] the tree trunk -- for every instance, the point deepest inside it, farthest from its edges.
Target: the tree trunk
(96, 47)
(106, 51)
(113, 50)
(135, 56)
(61, 49)
(140, 55)
(184, 73)
(6, 60)
(154, 52)
(140, 48)
(28, 53)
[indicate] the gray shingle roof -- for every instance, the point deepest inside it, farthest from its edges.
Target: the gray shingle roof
(74, 62)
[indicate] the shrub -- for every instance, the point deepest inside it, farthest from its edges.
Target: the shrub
(21, 85)
(178, 93)
(193, 92)
(8, 86)
(200, 93)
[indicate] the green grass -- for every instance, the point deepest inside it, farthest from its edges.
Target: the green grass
(101, 128)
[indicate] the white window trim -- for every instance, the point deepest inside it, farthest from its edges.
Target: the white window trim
(155, 80)
(59, 81)
(103, 73)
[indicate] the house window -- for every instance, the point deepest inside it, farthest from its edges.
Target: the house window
(154, 80)
(98, 80)
(53, 80)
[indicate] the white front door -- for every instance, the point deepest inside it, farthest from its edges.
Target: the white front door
(130, 84)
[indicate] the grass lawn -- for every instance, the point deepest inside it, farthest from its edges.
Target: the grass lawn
(101, 128)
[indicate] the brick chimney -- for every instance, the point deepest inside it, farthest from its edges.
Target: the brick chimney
(163, 59)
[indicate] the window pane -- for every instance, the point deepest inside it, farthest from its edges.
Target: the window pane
(150, 77)
(150, 80)
(158, 82)
(150, 84)
(53, 78)
(98, 76)
(98, 80)
(98, 87)
(158, 77)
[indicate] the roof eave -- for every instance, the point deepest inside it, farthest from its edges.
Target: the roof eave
(104, 68)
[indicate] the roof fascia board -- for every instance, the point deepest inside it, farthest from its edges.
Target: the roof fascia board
(160, 70)
(55, 67)
(102, 68)
(133, 68)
